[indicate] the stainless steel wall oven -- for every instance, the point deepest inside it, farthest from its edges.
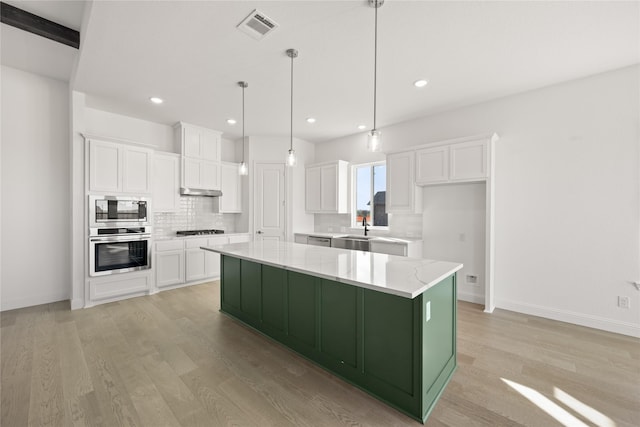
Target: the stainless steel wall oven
(119, 250)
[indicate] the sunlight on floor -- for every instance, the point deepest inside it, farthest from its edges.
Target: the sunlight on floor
(559, 413)
(598, 418)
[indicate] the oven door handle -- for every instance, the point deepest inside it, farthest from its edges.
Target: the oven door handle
(122, 238)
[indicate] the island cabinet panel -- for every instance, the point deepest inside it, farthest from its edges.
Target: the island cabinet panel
(339, 322)
(389, 340)
(250, 290)
(400, 350)
(438, 348)
(274, 301)
(230, 292)
(302, 298)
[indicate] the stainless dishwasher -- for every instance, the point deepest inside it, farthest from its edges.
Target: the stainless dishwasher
(319, 241)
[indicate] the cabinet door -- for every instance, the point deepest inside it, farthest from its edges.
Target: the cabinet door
(338, 324)
(401, 187)
(166, 183)
(136, 170)
(273, 299)
(312, 189)
(104, 167)
(230, 184)
(251, 290)
(468, 161)
(329, 188)
(432, 165)
(195, 265)
(230, 288)
(169, 268)
(209, 175)
(210, 145)
(301, 297)
(212, 259)
(191, 142)
(191, 173)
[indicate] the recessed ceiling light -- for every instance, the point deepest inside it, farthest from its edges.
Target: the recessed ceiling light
(156, 100)
(231, 121)
(311, 120)
(420, 83)
(361, 127)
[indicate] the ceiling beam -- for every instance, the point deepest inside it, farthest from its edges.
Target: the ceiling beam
(37, 25)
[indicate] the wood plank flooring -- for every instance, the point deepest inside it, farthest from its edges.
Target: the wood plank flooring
(172, 359)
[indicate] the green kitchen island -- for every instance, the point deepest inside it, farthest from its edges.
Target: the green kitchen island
(384, 323)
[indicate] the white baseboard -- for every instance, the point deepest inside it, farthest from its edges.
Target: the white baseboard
(77, 303)
(605, 324)
(470, 297)
(12, 304)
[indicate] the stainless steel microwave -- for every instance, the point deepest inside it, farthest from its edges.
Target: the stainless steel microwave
(110, 211)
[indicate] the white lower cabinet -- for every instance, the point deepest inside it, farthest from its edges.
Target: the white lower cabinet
(181, 261)
(195, 260)
(118, 286)
(169, 263)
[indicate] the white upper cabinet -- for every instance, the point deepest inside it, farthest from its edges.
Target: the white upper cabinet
(432, 165)
(199, 142)
(119, 168)
(403, 196)
(166, 182)
(200, 148)
(231, 186)
(457, 162)
(326, 187)
(468, 161)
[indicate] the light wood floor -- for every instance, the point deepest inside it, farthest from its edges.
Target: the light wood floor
(172, 359)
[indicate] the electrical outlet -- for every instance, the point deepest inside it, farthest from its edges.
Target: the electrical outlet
(472, 278)
(624, 302)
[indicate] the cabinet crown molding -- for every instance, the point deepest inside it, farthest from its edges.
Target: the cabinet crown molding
(492, 137)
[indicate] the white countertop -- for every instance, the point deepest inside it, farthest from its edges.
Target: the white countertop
(198, 236)
(402, 276)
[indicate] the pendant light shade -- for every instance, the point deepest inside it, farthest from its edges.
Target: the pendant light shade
(374, 139)
(291, 155)
(242, 167)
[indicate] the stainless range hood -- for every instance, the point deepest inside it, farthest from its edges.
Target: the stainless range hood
(199, 192)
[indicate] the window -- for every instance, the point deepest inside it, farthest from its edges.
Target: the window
(370, 193)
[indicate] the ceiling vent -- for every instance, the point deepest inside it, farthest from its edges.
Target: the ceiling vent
(257, 25)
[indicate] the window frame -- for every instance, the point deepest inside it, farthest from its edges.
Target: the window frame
(354, 200)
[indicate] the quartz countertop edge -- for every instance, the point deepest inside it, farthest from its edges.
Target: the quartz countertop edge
(396, 275)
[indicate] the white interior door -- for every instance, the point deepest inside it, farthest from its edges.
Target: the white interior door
(269, 221)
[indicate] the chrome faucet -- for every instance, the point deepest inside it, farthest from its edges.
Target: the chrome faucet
(365, 224)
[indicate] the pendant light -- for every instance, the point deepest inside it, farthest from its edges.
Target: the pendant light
(374, 139)
(291, 156)
(242, 168)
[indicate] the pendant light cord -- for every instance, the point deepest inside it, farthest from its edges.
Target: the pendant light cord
(375, 64)
(243, 86)
(291, 129)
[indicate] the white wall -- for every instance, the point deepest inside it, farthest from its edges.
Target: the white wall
(35, 190)
(127, 128)
(454, 230)
(567, 194)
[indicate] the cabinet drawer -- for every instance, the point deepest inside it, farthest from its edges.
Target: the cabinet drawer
(217, 241)
(195, 243)
(240, 238)
(169, 245)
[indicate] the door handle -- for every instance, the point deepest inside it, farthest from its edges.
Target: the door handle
(259, 232)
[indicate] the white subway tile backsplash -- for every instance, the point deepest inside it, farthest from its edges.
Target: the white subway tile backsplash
(196, 213)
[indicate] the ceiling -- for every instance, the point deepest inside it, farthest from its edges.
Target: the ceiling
(191, 54)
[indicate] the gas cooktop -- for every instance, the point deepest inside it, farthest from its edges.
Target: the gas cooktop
(198, 232)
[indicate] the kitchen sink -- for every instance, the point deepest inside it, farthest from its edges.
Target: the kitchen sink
(357, 243)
